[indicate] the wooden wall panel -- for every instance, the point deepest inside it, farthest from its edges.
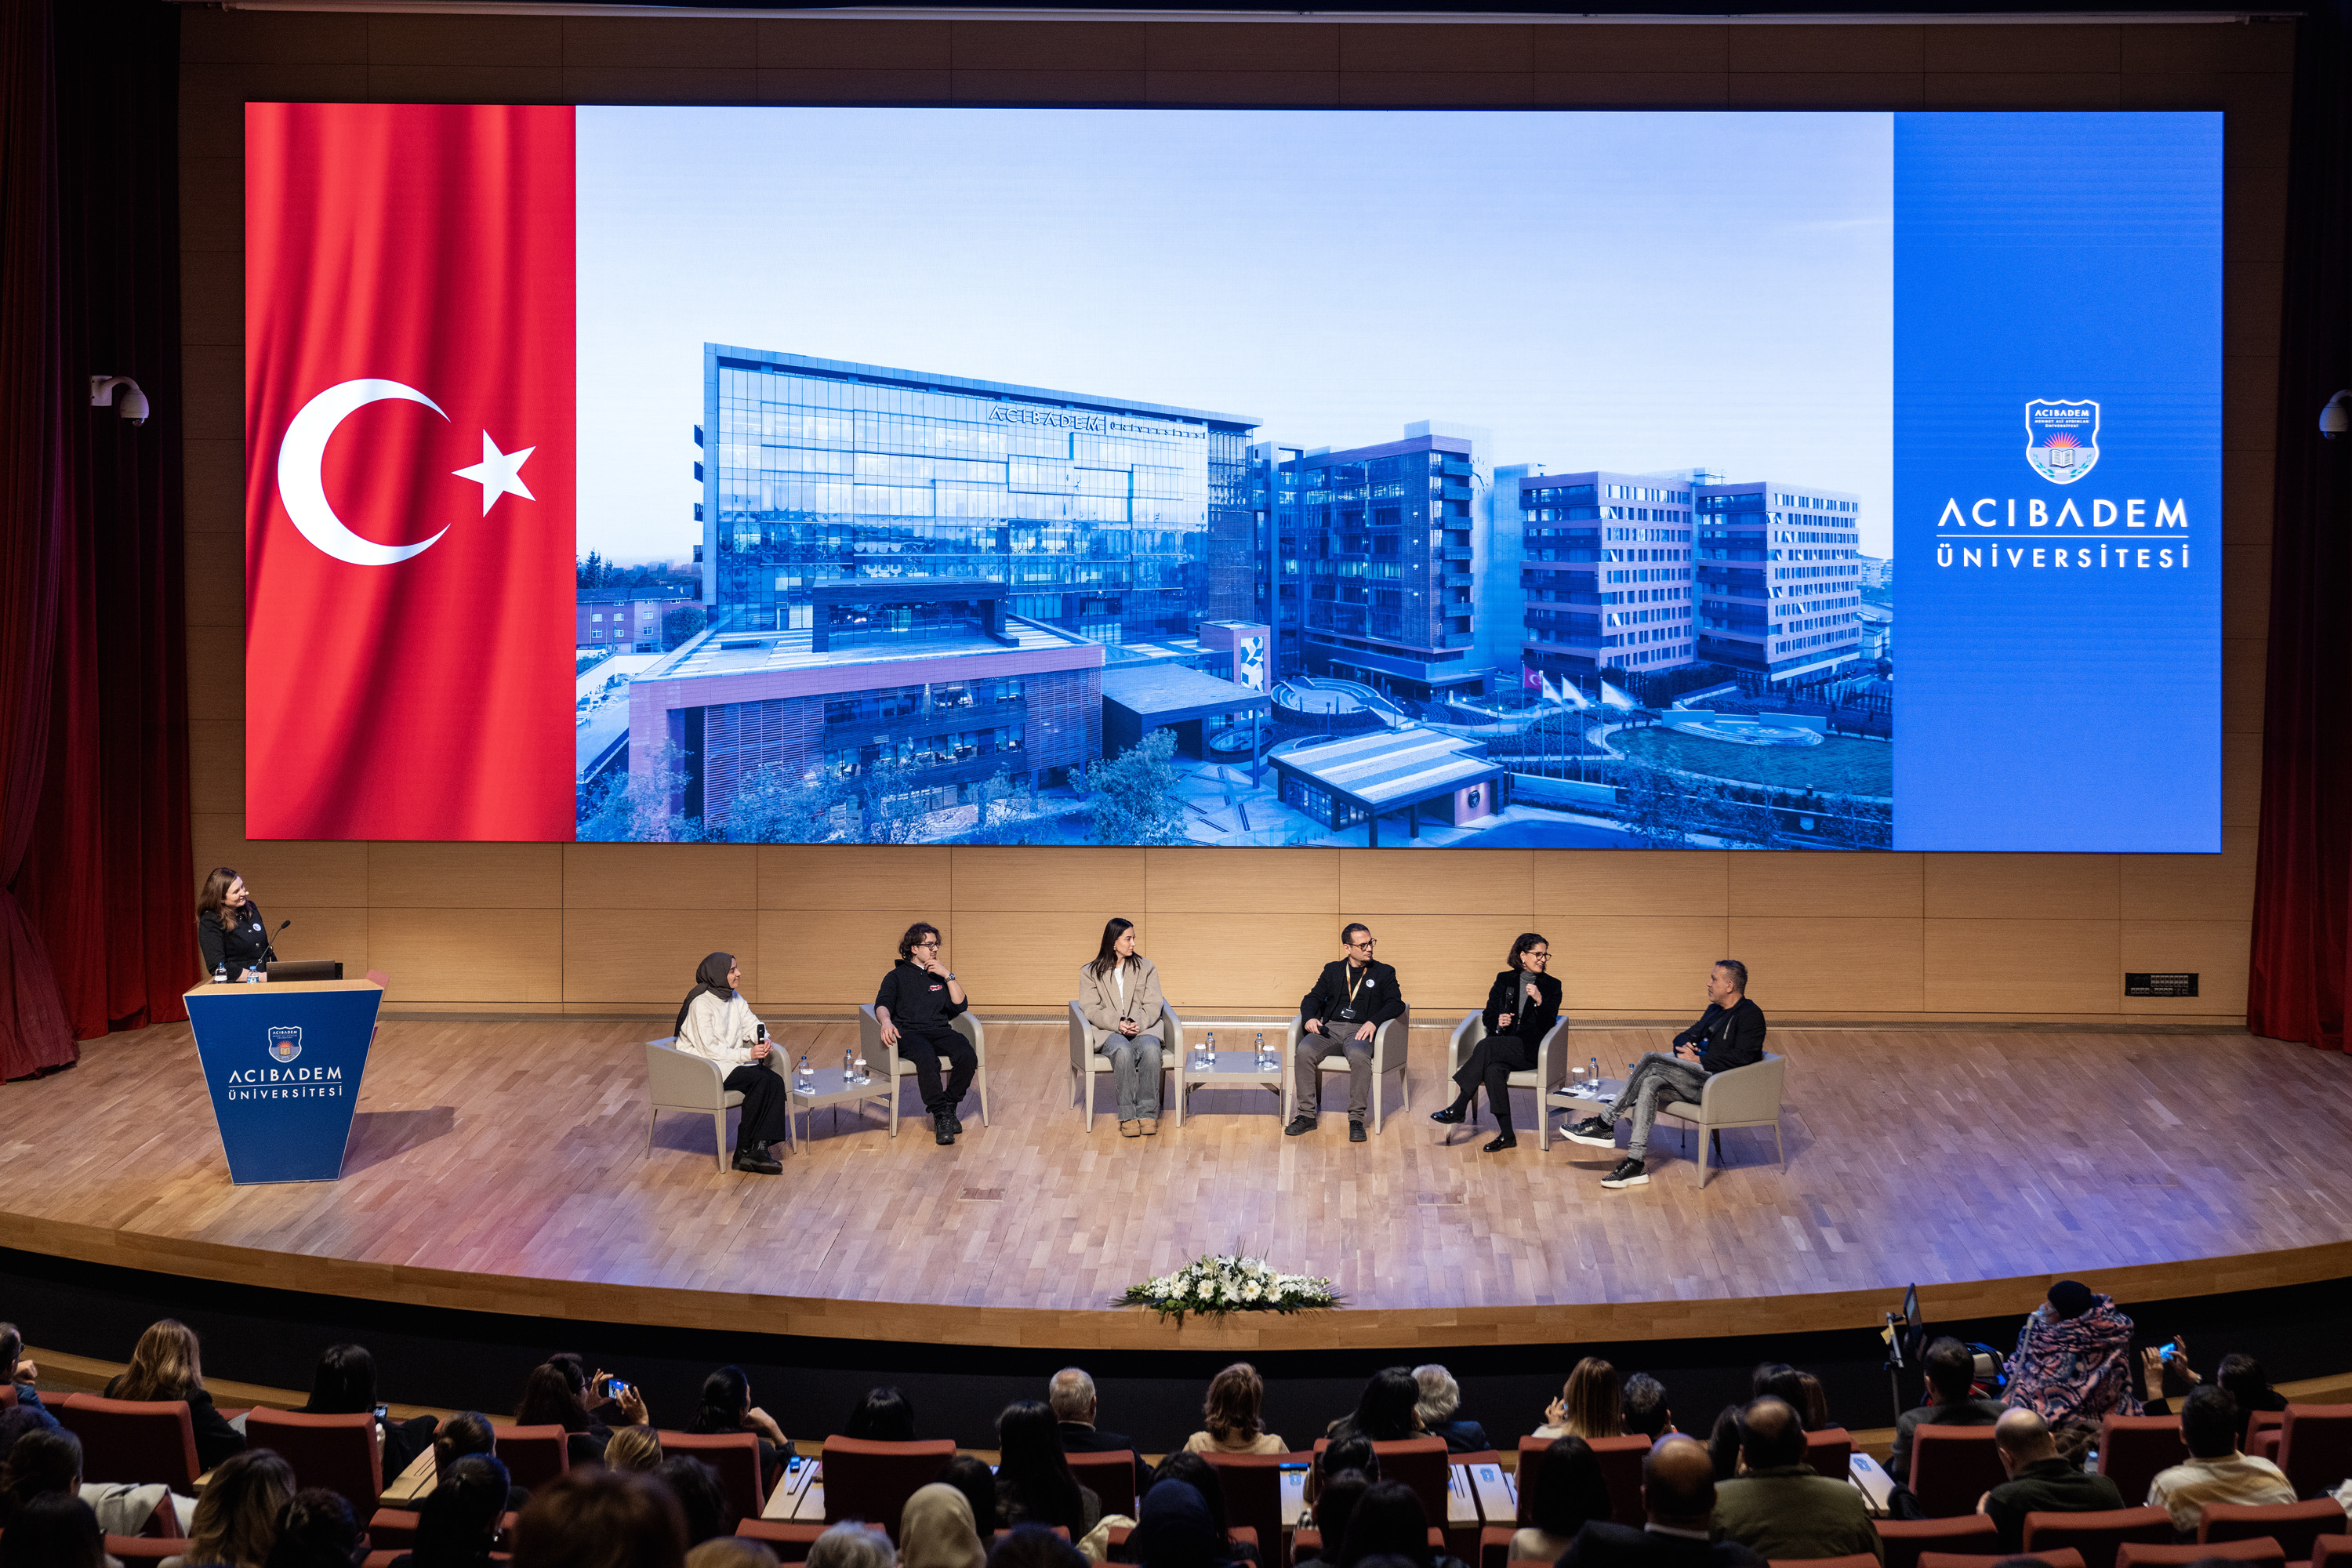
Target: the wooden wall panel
(326, 931)
(1828, 935)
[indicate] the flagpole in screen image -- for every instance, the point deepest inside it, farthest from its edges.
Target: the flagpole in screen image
(1239, 479)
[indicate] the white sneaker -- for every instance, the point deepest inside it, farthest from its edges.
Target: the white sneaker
(1593, 1132)
(1628, 1173)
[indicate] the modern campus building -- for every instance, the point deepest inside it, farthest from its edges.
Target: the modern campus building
(1377, 561)
(1105, 516)
(1607, 571)
(1779, 578)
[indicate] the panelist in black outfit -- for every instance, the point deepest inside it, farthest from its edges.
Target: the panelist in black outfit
(1522, 1006)
(1353, 998)
(228, 925)
(918, 997)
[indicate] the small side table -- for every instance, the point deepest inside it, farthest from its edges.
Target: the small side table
(834, 1086)
(1598, 1097)
(1224, 1069)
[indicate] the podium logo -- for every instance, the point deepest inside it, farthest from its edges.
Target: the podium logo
(284, 1042)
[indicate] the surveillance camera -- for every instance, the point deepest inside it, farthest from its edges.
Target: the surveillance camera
(2335, 418)
(130, 406)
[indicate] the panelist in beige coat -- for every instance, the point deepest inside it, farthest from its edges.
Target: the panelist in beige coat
(1119, 993)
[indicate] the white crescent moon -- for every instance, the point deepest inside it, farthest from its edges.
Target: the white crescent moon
(299, 486)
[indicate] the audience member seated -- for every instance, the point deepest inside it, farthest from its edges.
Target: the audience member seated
(2073, 1366)
(1034, 1546)
(1951, 1370)
(969, 1474)
(2039, 1480)
(18, 1370)
(851, 1546)
(1590, 1404)
(1644, 1403)
(726, 1407)
(1722, 1443)
(1389, 1410)
(634, 1449)
(237, 1517)
(2240, 1374)
(53, 1530)
(467, 1433)
(1033, 1483)
(2215, 1470)
(1334, 1508)
(1231, 1417)
(548, 1399)
(1073, 1401)
(1798, 1389)
(1177, 1529)
(1202, 1477)
(1569, 1494)
(1812, 1402)
(316, 1530)
(1440, 1399)
(39, 1457)
(1348, 1453)
(600, 1519)
(701, 1500)
(167, 1365)
(1778, 1507)
(882, 1416)
(937, 1530)
(1389, 1522)
(457, 1523)
(344, 1384)
(1678, 1494)
(731, 1551)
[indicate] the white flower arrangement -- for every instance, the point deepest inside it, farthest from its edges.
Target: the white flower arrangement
(1225, 1283)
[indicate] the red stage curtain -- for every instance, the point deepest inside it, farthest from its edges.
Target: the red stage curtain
(2302, 891)
(96, 917)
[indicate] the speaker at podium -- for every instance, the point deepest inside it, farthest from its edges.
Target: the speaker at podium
(283, 1062)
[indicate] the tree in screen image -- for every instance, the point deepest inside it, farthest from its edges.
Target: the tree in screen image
(1133, 797)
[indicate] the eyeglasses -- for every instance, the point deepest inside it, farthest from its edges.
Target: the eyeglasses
(1368, 942)
(1539, 952)
(920, 945)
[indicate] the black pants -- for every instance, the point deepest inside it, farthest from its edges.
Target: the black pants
(1490, 1064)
(924, 1047)
(766, 1117)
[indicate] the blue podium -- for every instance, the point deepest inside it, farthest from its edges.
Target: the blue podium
(283, 1063)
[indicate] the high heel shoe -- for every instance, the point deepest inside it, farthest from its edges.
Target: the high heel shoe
(1507, 1140)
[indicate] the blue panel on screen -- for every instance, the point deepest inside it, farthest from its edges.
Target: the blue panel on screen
(283, 1067)
(2057, 481)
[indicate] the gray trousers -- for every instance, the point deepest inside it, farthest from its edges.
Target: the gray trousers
(1658, 1077)
(1308, 1081)
(1135, 1068)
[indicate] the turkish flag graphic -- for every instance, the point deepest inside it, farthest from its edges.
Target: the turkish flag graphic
(409, 471)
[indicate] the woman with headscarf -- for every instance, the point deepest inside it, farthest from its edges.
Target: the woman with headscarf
(715, 1023)
(1175, 1531)
(2073, 1366)
(937, 1530)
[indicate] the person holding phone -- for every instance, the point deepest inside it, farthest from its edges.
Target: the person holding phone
(917, 999)
(1522, 1006)
(715, 1023)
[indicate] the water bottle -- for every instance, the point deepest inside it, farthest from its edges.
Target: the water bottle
(1208, 1053)
(1594, 1079)
(848, 1065)
(807, 1076)
(220, 972)
(1263, 1065)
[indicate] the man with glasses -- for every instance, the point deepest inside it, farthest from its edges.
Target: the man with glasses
(918, 997)
(1353, 998)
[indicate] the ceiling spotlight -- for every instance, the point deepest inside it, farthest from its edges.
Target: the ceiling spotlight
(131, 405)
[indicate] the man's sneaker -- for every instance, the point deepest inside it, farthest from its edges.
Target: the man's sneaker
(1628, 1173)
(1300, 1124)
(943, 1131)
(1595, 1132)
(1355, 1132)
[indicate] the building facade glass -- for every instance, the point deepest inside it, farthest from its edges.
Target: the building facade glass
(1779, 578)
(1607, 571)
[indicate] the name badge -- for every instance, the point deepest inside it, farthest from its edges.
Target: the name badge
(936, 987)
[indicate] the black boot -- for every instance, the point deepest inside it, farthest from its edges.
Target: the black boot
(943, 1129)
(755, 1160)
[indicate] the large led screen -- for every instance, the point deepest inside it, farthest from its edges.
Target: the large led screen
(1234, 478)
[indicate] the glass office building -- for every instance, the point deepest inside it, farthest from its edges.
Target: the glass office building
(1101, 516)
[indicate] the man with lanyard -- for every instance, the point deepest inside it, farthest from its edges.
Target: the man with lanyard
(1351, 999)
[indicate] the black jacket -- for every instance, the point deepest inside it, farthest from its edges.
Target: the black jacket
(1961, 1412)
(215, 1438)
(1462, 1436)
(2047, 1486)
(917, 998)
(1509, 995)
(1377, 996)
(1727, 1037)
(1603, 1545)
(238, 942)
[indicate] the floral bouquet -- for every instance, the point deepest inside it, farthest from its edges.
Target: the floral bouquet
(1217, 1285)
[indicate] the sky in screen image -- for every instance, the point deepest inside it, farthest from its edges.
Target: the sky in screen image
(1636, 291)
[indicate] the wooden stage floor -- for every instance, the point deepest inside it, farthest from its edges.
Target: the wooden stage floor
(503, 1166)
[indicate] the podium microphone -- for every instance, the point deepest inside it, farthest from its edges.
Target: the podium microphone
(269, 942)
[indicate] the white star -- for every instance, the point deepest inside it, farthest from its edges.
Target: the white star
(499, 473)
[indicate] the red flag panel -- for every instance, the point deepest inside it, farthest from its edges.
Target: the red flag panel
(409, 471)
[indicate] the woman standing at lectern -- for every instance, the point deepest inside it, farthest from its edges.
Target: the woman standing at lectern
(1521, 1007)
(228, 925)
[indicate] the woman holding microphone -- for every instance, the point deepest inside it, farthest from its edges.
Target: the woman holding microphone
(228, 925)
(715, 1023)
(1119, 993)
(1521, 1007)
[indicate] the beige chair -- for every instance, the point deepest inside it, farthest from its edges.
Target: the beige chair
(1087, 1060)
(1743, 1096)
(680, 1080)
(1392, 1044)
(894, 1067)
(1549, 1072)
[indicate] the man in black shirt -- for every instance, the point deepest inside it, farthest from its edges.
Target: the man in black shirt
(1353, 998)
(917, 999)
(1951, 1374)
(1730, 1034)
(2039, 1480)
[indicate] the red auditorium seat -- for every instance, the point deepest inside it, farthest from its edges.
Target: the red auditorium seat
(533, 1455)
(2332, 1551)
(8, 1394)
(2066, 1557)
(2097, 1534)
(1621, 1471)
(1951, 1467)
(789, 1539)
(134, 1441)
(1859, 1560)
(1903, 1540)
(2316, 1448)
(1112, 1477)
(2260, 1420)
(2260, 1553)
(1252, 1488)
(143, 1548)
(736, 1456)
(393, 1527)
(1495, 1545)
(2265, 1444)
(337, 1452)
(2293, 1525)
(1830, 1451)
(2132, 1449)
(1420, 1463)
(872, 1481)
